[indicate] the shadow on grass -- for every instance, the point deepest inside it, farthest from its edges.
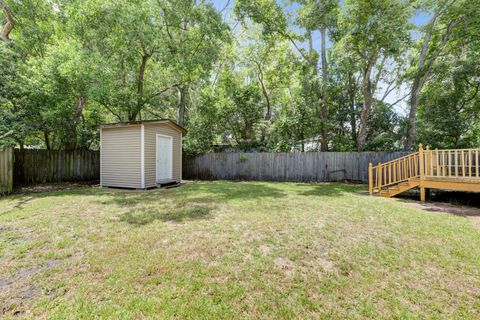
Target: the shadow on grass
(451, 209)
(226, 191)
(194, 192)
(190, 202)
(465, 204)
(181, 213)
(197, 192)
(327, 189)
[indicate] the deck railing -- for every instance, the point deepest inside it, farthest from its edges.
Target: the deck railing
(450, 163)
(394, 172)
(453, 163)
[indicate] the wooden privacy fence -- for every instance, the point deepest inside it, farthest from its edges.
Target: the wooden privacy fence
(304, 166)
(6, 170)
(38, 166)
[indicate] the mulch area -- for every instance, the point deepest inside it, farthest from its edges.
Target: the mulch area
(56, 186)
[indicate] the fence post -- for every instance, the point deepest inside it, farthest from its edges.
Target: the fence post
(6, 171)
(370, 178)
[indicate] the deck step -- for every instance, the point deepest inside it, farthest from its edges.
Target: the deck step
(168, 184)
(398, 188)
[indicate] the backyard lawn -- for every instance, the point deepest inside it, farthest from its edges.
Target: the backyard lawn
(235, 250)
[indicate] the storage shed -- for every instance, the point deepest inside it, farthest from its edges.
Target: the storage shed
(140, 154)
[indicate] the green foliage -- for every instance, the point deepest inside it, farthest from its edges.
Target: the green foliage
(258, 80)
(450, 107)
(203, 123)
(385, 129)
(14, 114)
(373, 27)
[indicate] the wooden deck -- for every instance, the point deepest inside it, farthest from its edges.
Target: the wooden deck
(455, 169)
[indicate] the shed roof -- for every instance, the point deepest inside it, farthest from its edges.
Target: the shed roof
(136, 123)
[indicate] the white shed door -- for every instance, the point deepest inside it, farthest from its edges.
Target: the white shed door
(164, 158)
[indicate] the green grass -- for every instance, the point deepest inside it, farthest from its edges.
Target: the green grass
(227, 250)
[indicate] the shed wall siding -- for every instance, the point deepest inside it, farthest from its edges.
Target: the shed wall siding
(151, 131)
(121, 157)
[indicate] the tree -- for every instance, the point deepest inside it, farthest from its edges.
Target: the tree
(313, 16)
(14, 116)
(373, 33)
(449, 110)
(446, 16)
(59, 87)
(24, 34)
(154, 48)
(288, 75)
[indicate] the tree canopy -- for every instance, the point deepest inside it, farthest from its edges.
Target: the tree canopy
(258, 75)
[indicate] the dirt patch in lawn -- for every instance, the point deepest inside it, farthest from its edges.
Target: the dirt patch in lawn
(286, 265)
(21, 288)
(182, 211)
(464, 211)
(448, 208)
(57, 186)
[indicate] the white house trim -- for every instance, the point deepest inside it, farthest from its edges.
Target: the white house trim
(142, 155)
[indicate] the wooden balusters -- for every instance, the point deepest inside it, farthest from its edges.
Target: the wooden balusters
(426, 164)
(457, 162)
(370, 178)
(421, 160)
(379, 175)
(431, 162)
(476, 163)
(449, 163)
(469, 163)
(443, 162)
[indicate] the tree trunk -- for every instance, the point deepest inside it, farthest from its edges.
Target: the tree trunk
(268, 114)
(7, 28)
(302, 136)
(352, 90)
(47, 140)
(417, 86)
(421, 76)
(323, 105)
(71, 143)
(367, 106)
(182, 105)
(20, 143)
(412, 117)
(140, 80)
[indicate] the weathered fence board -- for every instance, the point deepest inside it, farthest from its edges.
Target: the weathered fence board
(39, 166)
(6, 170)
(305, 166)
